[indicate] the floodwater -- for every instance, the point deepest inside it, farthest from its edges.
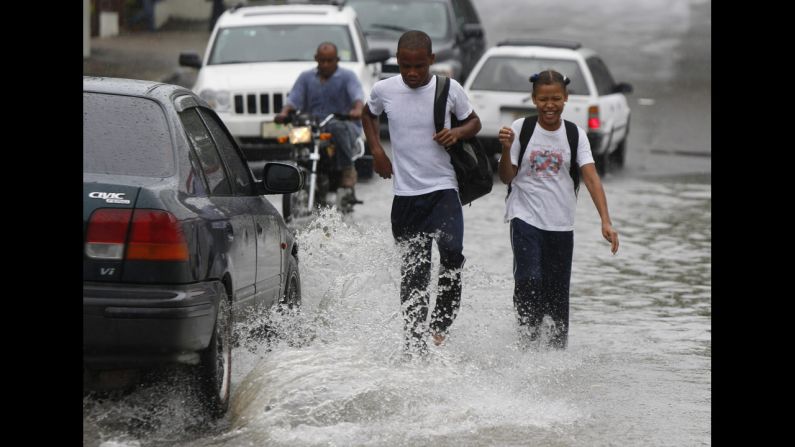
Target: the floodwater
(636, 372)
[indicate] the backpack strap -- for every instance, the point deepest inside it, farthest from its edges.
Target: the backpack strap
(440, 101)
(528, 126)
(572, 135)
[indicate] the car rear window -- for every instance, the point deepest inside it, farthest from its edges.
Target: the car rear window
(512, 74)
(279, 43)
(125, 135)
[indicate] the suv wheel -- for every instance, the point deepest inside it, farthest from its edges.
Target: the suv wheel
(215, 366)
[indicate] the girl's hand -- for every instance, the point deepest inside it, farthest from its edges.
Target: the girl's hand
(611, 235)
(506, 137)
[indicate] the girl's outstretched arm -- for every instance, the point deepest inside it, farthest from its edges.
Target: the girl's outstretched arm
(594, 185)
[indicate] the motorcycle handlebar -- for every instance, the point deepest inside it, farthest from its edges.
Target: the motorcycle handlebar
(286, 119)
(337, 116)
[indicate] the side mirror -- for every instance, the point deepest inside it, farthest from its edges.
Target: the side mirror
(190, 59)
(280, 178)
(472, 30)
(622, 87)
(376, 55)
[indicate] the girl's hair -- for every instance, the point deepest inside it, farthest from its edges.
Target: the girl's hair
(549, 77)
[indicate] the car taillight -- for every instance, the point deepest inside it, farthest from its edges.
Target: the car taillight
(107, 231)
(156, 236)
(593, 117)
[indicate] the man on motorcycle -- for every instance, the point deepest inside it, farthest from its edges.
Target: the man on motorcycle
(331, 89)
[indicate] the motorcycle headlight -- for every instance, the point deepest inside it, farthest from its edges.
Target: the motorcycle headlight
(300, 135)
(217, 99)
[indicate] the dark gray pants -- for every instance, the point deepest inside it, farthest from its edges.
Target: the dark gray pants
(343, 135)
(542, 274)
(416, 222)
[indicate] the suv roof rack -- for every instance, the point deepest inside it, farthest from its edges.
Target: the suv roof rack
(556, 43)
(244, 3)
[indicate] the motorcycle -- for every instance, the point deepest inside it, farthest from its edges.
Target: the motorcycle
(315, 154)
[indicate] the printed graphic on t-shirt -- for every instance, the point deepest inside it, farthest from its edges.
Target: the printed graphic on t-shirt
(545, 163)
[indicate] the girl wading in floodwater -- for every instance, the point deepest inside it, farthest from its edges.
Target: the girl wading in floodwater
(540, 208)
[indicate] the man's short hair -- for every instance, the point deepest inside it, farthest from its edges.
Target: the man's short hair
(331, 44)
(415, 40)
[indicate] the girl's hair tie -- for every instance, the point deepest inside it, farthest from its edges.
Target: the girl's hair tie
(566, 80)
(534, 78)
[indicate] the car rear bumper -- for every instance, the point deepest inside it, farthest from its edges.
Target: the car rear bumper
(128, 325)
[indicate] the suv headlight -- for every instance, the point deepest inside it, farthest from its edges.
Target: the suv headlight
(217, 99)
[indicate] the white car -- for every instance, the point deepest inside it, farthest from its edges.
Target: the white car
(499, 88)
(255, 54)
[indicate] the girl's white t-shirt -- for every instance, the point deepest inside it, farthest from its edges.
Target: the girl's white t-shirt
(420, 165)
(543, 191)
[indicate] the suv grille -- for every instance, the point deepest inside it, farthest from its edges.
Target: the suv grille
(390, 68)
(387, 71)
(258, 103)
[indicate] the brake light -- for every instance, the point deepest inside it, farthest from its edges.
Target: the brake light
(156, 236)
(593, 117)
(107, 231)
(325, 136)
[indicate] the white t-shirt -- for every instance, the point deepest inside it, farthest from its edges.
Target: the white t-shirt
(420, 165)
(543, 191)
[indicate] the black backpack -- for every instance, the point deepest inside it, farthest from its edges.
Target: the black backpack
(572, 134)
(469, 158)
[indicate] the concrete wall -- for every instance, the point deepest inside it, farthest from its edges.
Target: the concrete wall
(109, 20)
(182, 9)
(108, 23)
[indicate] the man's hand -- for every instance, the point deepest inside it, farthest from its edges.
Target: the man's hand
(280, 118)
(381, 163)
(356, 110)
(355, 114)
(446, 137)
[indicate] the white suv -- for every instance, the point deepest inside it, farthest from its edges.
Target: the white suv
(255, 54)
(499, 88)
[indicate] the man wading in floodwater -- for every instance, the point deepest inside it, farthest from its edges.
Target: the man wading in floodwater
(426, 204)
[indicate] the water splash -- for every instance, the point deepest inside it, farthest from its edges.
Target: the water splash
(351, 385)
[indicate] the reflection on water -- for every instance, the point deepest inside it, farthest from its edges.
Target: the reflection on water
(637, 370)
